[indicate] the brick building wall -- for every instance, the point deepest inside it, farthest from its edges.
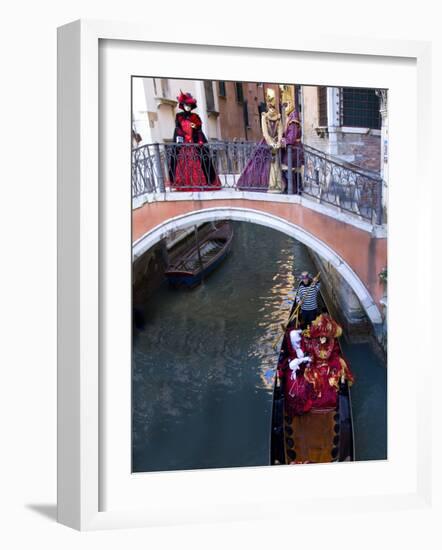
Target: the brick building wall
(233, 124)
(230, 112)
(361, 149)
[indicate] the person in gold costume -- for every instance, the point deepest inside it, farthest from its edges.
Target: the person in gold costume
(263, 170)
(272, 131)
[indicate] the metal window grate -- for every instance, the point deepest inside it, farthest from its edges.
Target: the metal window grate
(360, 108)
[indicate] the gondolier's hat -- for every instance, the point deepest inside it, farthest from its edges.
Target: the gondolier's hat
(306, 277)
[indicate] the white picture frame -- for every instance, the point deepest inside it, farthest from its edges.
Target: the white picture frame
(83, 298)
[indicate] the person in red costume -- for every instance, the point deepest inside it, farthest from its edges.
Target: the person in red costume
(190, 165)
(315, 367)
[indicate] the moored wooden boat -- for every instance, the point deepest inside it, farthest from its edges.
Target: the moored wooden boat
(323, 434)
(196, 263)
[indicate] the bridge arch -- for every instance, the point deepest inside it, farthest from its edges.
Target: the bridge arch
(160, 231)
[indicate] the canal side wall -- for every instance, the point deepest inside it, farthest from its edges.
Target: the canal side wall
(342, 301)
(149, 268)
(148, 273)
(346, 308)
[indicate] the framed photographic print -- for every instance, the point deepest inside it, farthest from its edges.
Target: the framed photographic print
(232, 244)
(237, 317)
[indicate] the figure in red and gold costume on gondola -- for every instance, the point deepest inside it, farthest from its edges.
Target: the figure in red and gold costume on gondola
(314, 367)
(190, 165)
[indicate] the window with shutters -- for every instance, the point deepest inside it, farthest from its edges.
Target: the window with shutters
(222, 88)
(210, 100)
(322, 105)
(239, 92)
(246, 114)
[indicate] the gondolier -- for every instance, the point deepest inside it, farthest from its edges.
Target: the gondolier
(307, 296)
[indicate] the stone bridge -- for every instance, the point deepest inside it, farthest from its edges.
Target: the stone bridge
(356, 247)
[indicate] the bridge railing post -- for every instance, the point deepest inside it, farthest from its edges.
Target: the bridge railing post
(290, 170)
(159, 168)
(378, 191)
(229, 152)
(317, 182)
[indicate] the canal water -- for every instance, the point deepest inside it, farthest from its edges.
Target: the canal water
(203, 367)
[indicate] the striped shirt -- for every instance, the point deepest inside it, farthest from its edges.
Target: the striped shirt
(309, 295)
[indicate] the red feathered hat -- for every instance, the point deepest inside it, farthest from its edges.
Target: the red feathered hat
(186, 99)
(323, 325)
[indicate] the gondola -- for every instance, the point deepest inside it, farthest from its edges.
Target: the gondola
(196, 263)
(318, 436)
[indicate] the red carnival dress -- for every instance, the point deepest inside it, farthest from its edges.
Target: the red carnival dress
(191, 167)
(315, 383)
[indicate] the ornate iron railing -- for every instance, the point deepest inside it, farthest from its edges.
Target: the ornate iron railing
(246, 166)
(342, 184)
(147, 170)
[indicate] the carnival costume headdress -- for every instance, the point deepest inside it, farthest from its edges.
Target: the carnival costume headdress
(287, 93)
(288, 98)
(323, 326)
(185, 98)
(320, 342)
(271, 97)
(320, 336)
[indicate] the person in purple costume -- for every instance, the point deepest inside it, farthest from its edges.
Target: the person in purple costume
(292, 136)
